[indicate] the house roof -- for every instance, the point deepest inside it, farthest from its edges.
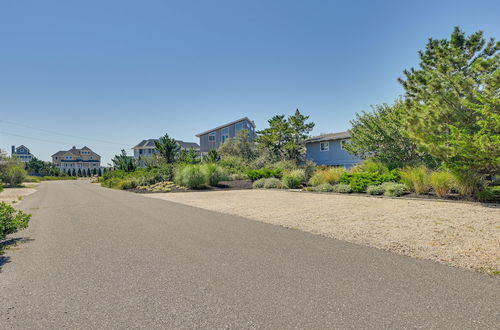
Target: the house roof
(329, 137)
(150, 143)
(74, 151)
(228, 124)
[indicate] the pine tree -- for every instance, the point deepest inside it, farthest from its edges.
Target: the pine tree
(73, 172)
(453, 102)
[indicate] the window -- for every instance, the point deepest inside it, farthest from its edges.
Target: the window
(238, 127)
(324, 146)
(343, 143)
(224, 134)
(211, 140)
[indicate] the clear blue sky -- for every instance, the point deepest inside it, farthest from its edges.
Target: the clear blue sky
(122, 71)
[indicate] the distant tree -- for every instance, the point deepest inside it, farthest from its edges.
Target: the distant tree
(168, 148)
(104, 170)
(99, 172)
(73, 172)
(37, 167)
(213, 156)
(124, 162)
(190, 156)
(239, 146)
(79, 172)
(284, 138)
(453, 102)
(89, 174)
(94, 171)
(380, 134)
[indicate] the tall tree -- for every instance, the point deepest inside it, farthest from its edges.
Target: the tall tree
(380, 134)
(124, 162)
(299, 130)
(453, 111)
(168, 148)
(284, 138)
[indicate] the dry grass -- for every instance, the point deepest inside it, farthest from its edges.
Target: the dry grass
(459, 234)
(14, 195)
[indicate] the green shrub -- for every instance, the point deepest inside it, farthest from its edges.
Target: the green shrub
(330, 175)
(442, 182)
(416, 178)
(126, 183)
(342, 188)
(11, 221)
(13, 174)
(490, 194)
(272, 183)
(469, 183)
(293, 179)
(324, 187)
(360, 181)
(234, 164)
(284, 165)
(394, 189)
(190, 176)
(1, 187)
(370, 166)
(259, 183)
(213, 174)
(309, 169)
(375, 190)
(263, 173)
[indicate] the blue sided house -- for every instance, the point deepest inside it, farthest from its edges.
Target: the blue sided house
(328, 149)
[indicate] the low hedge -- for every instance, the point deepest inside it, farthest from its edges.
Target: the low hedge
(264, 173)
(359, 182)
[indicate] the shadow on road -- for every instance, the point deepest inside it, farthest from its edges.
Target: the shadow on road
(10, 243)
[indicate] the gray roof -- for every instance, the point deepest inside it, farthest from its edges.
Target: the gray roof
(74, 151)
(150, 143)
(329, 137)
(228, 124)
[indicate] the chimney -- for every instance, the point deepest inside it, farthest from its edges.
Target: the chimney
(13, 150)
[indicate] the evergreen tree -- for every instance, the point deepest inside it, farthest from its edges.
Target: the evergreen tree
(168, 148)
(79, 173)
(94, 171)
(88, 172)
(73, 172)
(380, 134)
(284, 138)
(99, 172)
(452, 100)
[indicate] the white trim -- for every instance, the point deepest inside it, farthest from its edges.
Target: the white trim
(322, 148)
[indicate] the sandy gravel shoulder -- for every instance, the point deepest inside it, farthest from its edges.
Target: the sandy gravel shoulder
(14, 195)
(459, 234)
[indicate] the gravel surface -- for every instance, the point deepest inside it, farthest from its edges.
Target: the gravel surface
(460, 234)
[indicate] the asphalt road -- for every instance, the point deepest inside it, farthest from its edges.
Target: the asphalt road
(98, 258)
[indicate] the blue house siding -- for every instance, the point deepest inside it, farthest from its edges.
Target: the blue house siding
(335, 156)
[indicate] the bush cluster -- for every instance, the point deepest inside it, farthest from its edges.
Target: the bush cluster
(329, 175)
(263, 173)
(11, 220)
(120, 179)
(197, 176)
(293, 179)
(342, 188)
(360, 181)
(267, 183)
(324, 187)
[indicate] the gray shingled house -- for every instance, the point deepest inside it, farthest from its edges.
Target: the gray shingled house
(215, 137)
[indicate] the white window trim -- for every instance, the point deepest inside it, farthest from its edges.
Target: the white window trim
(321, 146)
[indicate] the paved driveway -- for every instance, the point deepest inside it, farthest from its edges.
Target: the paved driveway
(99, 258)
